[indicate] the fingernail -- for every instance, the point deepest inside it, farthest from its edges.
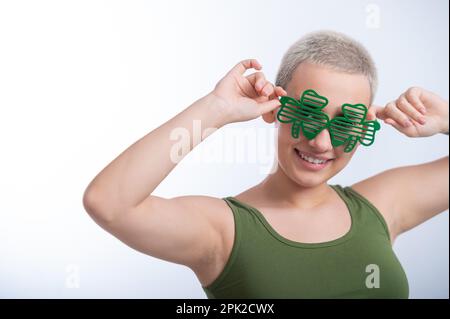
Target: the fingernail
(423, 111)
(422, 120)
(407, 123)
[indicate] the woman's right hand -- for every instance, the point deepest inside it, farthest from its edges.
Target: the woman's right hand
(243, 98)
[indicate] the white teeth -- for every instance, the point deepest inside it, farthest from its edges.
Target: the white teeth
(312, 159)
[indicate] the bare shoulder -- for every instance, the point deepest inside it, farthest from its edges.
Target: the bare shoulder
(214, 210)
(219, 215)
(409, 195)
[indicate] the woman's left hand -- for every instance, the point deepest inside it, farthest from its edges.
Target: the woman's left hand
(416, 113)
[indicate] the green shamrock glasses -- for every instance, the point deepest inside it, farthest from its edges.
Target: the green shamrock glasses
(307, 115)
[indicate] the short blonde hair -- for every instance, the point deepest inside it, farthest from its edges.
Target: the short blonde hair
(332, 49)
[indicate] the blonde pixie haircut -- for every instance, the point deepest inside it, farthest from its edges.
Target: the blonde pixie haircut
(331, 49)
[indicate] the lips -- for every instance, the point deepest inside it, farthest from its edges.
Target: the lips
(312, 162)
(313, 156)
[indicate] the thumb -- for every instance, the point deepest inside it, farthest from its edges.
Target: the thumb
(269, 106)
(376, 111)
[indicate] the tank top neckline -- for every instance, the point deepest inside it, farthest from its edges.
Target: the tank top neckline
(347, 236)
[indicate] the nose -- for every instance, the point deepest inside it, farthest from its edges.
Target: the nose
(322, 142)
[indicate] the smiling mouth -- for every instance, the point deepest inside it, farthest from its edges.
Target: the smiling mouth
(320, 162)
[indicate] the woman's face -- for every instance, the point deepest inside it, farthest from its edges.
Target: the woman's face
(295, 154)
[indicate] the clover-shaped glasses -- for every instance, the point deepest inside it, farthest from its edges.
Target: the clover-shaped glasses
(307, 114)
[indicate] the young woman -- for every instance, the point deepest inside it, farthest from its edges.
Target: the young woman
(293, 235)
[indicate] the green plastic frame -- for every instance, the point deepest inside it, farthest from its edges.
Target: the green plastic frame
(306, 114)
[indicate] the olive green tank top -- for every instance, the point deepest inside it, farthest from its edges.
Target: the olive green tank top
(264, 264)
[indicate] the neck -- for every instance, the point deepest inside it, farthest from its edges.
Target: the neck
(280, 188)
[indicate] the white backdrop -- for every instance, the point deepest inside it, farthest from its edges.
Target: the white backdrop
(82, 80)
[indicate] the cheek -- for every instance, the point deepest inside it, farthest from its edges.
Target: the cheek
(342, 158)
(284, 135)
(285, 143)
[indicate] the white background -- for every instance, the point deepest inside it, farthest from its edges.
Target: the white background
(82, 80)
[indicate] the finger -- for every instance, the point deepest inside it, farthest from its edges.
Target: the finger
(260, 82)
(257, 80)
(241, 67)
(279, 91)
(413, 97)
(398, 116)
(374, 111)
(269, 106)
(268, 89)
(394, 124)
(379, 111)
(404, 106)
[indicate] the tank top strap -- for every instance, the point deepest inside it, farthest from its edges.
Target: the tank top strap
(247, 220)
(364, 214)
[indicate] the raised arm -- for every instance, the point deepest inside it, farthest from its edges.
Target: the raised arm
(408, 196)
(186, 229)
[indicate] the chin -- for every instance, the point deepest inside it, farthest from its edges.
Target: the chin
(308, 181)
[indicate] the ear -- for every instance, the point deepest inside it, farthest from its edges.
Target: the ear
(270, 117)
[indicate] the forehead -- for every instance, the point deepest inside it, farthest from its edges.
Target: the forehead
(338, 87)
